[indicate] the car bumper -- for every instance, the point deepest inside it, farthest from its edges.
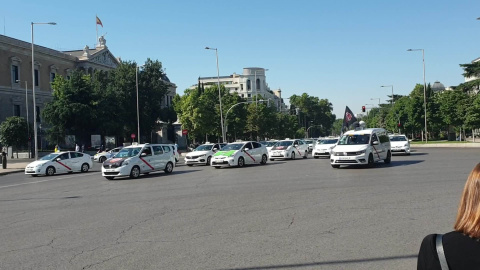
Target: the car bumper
(119, 171)
(349, 160)
(320, 153)
(223, 162)
(200, 160)
(401, 150)
(34, 170)
(279, 154)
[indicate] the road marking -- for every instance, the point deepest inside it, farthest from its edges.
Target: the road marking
(48, 180)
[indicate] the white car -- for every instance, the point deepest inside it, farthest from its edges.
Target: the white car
(139, 159)
(62, 162)
(101, 157)
(202, 155)
(324, 147)
(269, 144)
(362, 147)
(400, 144)
(240, 154)
(310, 143)
(289, 149)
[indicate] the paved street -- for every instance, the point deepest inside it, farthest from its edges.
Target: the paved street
(299, 214)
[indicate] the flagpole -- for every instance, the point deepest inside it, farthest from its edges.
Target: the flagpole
(96, 26)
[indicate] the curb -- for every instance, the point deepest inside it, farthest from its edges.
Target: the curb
(446, 145)
(12, 171)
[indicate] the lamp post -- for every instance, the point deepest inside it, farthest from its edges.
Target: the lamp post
(306, 133)
(219, 93)
(392, 92)
(424, 90)
(33, 92)
(138, 110)
(376, 99)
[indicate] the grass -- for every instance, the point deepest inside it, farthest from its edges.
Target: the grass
(436, 142)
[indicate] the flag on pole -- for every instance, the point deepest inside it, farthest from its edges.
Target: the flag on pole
(348, 119)
(99, 21)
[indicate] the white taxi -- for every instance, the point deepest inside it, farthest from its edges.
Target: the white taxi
(62, 162)
(139, 159)
(240, 154)
(101, 157)
(202, 155)
(361, 147)
(289, 149)
(324, 147)
(400, 144)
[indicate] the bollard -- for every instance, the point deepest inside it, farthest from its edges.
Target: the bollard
(4, 160)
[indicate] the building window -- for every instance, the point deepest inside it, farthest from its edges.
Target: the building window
(37, 109)
(52, 77)
(16, 110)
(249, 95)
(15, 77)
(36, 77)
(249, 87)
(257, 86)
(241, 87)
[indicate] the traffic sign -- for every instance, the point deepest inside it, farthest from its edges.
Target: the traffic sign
(184, 131)
(132, 136)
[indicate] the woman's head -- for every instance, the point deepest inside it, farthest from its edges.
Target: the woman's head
(468, 216)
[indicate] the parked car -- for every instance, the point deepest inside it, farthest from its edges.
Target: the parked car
(61, 162)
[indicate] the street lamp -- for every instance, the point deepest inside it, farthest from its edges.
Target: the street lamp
(376, 99)
(138, 110)
(392, 92)
(219, 94)
(33, 92)
(424, 90)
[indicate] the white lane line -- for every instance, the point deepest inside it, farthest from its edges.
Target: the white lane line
(48, 180)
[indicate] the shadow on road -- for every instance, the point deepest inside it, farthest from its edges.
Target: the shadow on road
(152, 175)
(301, 265)
(379, 165)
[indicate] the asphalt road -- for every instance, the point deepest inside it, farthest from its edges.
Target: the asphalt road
(299, 214)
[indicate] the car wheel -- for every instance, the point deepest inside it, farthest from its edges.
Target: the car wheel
(135, 172)
(292, 156)
(241, 162)
(50, 171)
(85, 168)
(306, 154)
(102, 159)
(208, 161)
(408, 154)
(169, 167)
(109, 177)
(189, 165)
(370, 160)
(264, 160)
(335, 166)
(389, 158)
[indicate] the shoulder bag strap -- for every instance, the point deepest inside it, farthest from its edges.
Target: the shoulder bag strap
(441, 252)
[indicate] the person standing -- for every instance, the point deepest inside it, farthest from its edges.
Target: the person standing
(83, 148)
(459, 249)
(56, 148)
(77, 148)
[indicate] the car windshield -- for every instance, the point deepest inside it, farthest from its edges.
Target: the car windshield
(49, 157)
(398, 139)
(328, 141)
(270, 144)
(308, 141)
(233, 146)
(204, 147)
(353, 139)
(128, 152)
(282, 145)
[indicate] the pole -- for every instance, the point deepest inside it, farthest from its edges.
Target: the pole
(34, 103)
(425, 95)
(256, 94)
(220, 97)
(138, 110)
(392, 96)
(28, 123)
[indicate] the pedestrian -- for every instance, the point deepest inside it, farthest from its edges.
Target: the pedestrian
(56, 148)
(83, 147)
(460, 248)
(77, 148)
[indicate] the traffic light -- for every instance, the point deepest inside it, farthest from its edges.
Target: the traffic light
(363, 108)
(399, 124)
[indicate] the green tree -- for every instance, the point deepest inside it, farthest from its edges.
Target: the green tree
(13, 132)
(314, 111)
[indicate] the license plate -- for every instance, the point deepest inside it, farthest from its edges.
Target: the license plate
(344, 158)
(109, 170)
(321, 151)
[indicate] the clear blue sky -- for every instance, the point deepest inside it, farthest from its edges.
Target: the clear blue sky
(339, 50)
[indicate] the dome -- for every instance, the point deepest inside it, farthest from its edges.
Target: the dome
(166, 79)
(438, 87)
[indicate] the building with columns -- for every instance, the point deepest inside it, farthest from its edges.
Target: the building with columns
(247, 85)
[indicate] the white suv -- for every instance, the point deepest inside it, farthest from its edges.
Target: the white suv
(139, 159)
(362, 147)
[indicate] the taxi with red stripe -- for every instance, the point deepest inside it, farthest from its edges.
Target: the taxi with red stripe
(134, 160)
(240, 154)
(61, 162)
(289, 149)
(362, 147)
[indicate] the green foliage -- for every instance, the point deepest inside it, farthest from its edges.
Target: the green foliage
(13, 132)
(314, 112)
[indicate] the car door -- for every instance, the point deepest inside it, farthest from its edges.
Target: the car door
(75, 161)
(62, 163)
(377, 149)
(167, 155)
(249, 153)
(297, 146)
(257, 151)
(146, 157)
(158, 159)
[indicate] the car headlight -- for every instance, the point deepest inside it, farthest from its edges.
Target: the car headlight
(360, 152)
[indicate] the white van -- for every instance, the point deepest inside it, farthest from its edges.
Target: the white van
(139, 159)
(362, 147)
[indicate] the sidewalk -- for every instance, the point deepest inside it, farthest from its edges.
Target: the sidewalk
(444, 145)
(15, 165)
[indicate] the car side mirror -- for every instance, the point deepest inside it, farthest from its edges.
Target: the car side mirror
(246, 149)
(58, 159)
(375, 143)
(215, 149)
(143, 154)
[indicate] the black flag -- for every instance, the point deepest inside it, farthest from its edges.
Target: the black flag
(348, 119)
